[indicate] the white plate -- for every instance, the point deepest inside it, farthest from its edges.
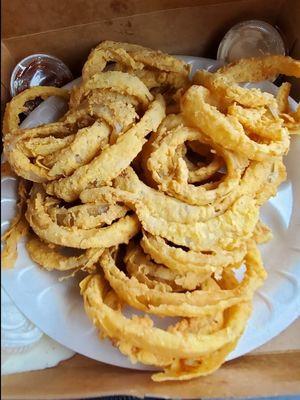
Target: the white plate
(57, 309)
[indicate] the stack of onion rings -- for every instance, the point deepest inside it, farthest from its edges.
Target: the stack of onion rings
(151, 184)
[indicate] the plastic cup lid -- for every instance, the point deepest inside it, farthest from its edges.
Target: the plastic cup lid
(252, 38)
(37, 69)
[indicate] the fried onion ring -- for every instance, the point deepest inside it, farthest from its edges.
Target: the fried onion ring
(182, 262)
(227, 230)
(172, 175)
(114, 80)
(227, 131)
(87, 216)
(100, 171)
(226, 92)
(161, 300)
(20, 149)
(49, 256)
(40, 221)
(282, 97)
(152, 338)
(154, 68)
(18, 105)
(260, 68)
(260, 180)
(178, 346)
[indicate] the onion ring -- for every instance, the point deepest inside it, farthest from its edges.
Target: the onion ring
(18, 148)
(260, 180)
(100, 171)
(49, 257)
(177, 349)
(165, 173)
(154, 68)
(85, 146)
(260, 122)
(227, 131)
(115, 80)
(17, 105)
(42, 224)
(183, 262)
(226, 92)
(159, 301)
(141, 267)
(113, 323)
(88, 216)
(282, 97)
(202, 236)
(260, 68)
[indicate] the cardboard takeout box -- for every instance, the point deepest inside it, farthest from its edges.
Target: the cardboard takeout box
(68, 29)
